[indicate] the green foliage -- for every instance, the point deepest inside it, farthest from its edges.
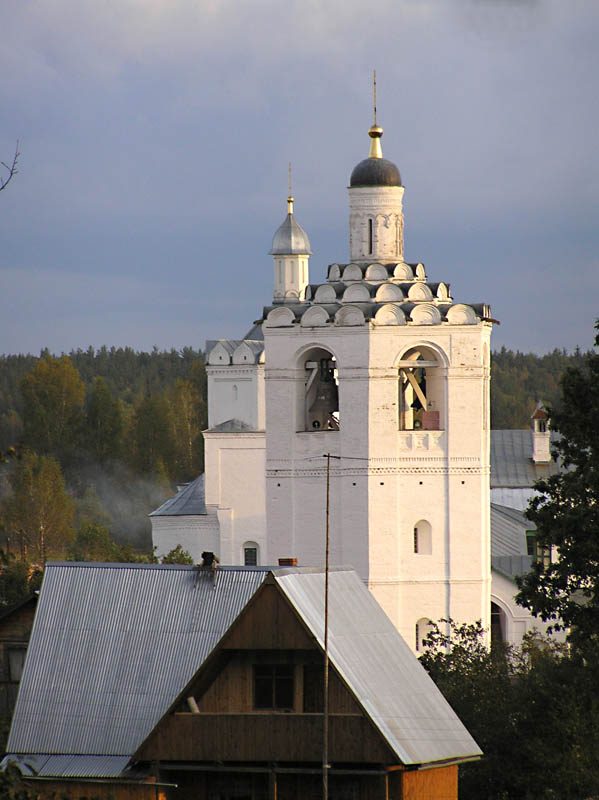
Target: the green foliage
(104, 424)
(520, 380)
(534, 711)
(566, 514)
(39, 515)
(93, 542)
(177, 556)
(14, 582)
(52, 407)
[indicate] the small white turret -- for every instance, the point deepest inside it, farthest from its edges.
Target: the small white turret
(291, 252)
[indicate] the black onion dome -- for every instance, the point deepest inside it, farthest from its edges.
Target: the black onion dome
(375, 172)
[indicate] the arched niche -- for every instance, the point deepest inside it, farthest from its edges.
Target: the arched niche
(421, 630)
(425, 314)
(349, 315)
(420, 291)
(389, 293)
(356, 293)
(422, 541)
(334, 273)
(461, 314)
(318, 391)
(352, 272)
(376, 272)
(404, 272)
(314, 317)
(422, 389)
(291, 294)
(390, 315)
(279, 318)
(325, 294)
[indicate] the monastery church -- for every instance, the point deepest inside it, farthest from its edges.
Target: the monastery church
(382, 369)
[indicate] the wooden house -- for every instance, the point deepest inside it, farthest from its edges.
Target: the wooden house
(15, 629)
(182, 682)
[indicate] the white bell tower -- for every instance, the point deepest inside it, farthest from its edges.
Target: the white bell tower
(381, 368)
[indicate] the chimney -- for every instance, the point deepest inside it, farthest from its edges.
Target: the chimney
(541, 436)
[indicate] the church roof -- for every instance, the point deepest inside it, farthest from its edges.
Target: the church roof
(508, 531)
(375, 172)
(231, 426)
(189, 501)
(290, 239)
(511, 460)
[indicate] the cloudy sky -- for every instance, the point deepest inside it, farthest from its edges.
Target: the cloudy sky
(155, 137)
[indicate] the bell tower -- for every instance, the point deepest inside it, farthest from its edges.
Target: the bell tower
(381, 368)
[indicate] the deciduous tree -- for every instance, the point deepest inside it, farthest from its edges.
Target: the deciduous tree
(53, 407)
(39, 514)
(566, 513)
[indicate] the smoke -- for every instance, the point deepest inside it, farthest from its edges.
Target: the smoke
(126, 499)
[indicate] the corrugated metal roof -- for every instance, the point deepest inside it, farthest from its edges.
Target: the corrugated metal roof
(511, 460)
(190, 500)
(508, 531)
(111, 647)
(379, 667)
(42, 765)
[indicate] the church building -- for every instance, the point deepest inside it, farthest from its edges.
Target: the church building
(366, 394)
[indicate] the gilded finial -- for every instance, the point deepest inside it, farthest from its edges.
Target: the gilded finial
(290, 197)
(375, 132)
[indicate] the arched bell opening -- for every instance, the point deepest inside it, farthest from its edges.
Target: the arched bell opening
(320, 399)
(421, 390)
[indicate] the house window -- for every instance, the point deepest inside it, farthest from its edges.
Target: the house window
(538, 552)
(16, 662)
(250, 554)
(273, 686)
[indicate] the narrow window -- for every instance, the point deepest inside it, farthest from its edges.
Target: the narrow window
(417, 636)
(370, 236)
(235, 393)
(415, 540)
(250, 556)
(273, 686)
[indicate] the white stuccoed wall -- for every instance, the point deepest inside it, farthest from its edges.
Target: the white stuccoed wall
(403, 477)
(383, 205)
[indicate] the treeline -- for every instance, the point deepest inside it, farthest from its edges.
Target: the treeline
(520, 380)
(92, 442)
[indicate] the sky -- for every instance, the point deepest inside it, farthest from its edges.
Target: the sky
(155, 137)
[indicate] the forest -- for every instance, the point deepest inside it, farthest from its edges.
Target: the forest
(94, 440)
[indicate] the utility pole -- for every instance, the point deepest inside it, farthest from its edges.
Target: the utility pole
(325, 694)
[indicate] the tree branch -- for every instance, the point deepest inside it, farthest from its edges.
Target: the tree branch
(12, 169)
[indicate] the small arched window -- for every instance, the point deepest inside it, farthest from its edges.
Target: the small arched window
(250, 554)
(423, 538)
(421, 630)
(370, 235)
